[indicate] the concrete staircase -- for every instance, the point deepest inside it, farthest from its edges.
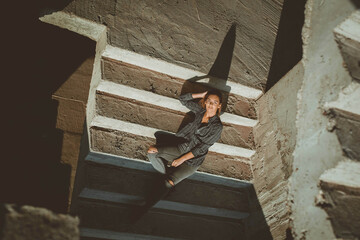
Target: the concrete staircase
(136, 100)
(341, 185)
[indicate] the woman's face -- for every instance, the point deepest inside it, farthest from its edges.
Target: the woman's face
(212, 104)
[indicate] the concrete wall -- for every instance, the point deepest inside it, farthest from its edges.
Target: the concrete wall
(316, 148)
(275, 137)
(191, 33)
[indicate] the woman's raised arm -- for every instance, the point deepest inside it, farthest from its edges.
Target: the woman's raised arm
(187, 101)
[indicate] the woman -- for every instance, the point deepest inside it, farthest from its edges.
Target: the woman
(185, 158)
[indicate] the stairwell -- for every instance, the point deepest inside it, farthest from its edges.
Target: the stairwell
(132, 105)
(135, 100)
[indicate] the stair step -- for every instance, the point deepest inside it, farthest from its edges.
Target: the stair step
(340, 197)
(123, 103)
(170, 80)
(347, 35)
(344, 177)
(132, 140)
(99, 234)
(126, 176)
(346, 112)
(156, 222)
(112, 197)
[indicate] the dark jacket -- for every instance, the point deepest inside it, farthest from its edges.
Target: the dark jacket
(199, 136)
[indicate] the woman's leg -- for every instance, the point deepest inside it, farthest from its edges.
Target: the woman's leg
(167, 153)
(181, 172)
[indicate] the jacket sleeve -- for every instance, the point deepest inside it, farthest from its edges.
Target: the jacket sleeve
(187, 101)
(212, 137)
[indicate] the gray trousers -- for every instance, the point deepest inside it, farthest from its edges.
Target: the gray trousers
(162, 160)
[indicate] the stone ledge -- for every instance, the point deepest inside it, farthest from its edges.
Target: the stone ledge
(162, 84)
(147, 132)
(132, 140)
(148, 111)
(76, 24)
(118, 90)
(172, 70)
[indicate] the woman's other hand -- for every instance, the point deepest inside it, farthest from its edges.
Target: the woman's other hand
(177, 162)
(152, 149)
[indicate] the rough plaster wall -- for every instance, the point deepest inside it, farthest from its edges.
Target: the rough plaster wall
(275, 137)
(316, 148)
(190, 33)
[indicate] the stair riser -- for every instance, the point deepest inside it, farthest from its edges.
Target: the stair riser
(165, 85)
(164, 119)
(350, 50)
(348, 132)
(142, 183)
(135, 146)
(159, 223)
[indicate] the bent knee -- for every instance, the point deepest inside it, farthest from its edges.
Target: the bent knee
(152, 150)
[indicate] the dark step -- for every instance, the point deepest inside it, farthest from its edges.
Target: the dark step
(98, 234)
(127, 176)
(165, 219)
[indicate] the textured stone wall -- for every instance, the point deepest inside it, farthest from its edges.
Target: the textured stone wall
(316, 148)
(29, 223)
(275, 141)
(191, 33)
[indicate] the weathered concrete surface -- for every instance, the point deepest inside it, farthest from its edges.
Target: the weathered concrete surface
(28, 223)
(347, 35)
(275, 137)
(190, 33)
(145, 79)
(135, 146)
(316, 149)
(340, 197)
(164, 119)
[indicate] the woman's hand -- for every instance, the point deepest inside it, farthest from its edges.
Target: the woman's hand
(199, 95)
(177, 162)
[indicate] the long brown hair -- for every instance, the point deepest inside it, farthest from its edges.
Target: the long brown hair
(212, 92)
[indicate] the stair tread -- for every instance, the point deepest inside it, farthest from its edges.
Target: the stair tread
(350, 27)
(164, 102)
(345, 174)
(136, 129)
(113, 160)
(112, 235)
(94, 194)
(348, 100)
(176, 71)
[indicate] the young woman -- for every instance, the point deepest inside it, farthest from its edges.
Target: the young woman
(184, 159)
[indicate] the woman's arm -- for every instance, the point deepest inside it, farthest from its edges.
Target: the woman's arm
(182, 159)
(187, 101)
